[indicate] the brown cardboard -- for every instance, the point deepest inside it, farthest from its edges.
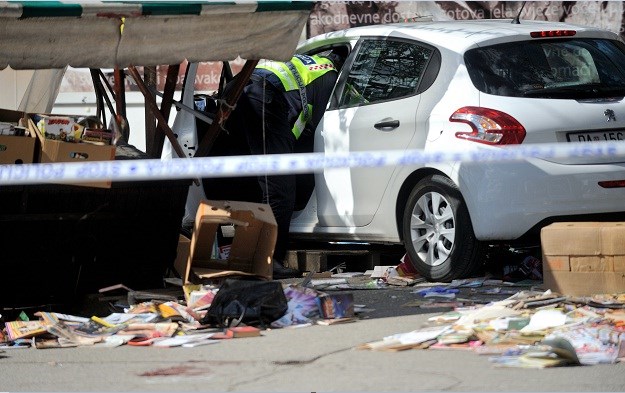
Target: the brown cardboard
(592, 264)
(613, 238)
(16, 149)
(571, 238)
(619, 263)
(252, 246)
(584, 258)
(556, 262)
(182, 255)
(59, 151)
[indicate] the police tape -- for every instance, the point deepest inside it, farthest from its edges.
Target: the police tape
(278, 164)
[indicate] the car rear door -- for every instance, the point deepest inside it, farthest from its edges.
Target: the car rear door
(374, 108)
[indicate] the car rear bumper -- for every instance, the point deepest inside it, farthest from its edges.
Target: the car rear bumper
(507, 199)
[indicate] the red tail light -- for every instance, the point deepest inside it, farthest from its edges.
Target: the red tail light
(489, 126)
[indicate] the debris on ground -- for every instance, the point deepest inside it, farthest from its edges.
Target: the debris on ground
(167, 320)
(177, 318)
(401, 275)
(509, 318)
(530, 329)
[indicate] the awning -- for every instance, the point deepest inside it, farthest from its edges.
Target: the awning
(105, 34)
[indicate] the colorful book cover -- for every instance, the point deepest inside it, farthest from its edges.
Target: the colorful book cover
(332, 306)
(98, 327)
(243, 331)
(24, 329)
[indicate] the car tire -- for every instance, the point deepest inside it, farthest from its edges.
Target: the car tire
(437, 231)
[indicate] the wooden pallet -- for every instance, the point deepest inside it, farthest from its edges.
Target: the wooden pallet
(321, 260)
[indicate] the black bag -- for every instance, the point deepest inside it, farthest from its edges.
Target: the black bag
(252, 302)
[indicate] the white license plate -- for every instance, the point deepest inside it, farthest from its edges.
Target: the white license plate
(596, 136)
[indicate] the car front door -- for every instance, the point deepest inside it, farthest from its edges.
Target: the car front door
(373, 108)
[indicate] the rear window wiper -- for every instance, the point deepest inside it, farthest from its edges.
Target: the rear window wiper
(580, 91)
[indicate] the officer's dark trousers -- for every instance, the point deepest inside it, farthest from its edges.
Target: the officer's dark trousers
(259, 125)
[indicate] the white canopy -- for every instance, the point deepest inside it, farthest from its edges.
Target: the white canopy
(105, 34)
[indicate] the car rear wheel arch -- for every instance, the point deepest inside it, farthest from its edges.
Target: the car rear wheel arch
(437, 230)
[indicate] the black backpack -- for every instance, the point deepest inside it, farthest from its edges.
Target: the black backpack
(248, 301)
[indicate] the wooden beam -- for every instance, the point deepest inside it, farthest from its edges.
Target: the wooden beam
(223, 111)
(151, 104)
(120, 101)
(104, 86)
(168, 99)
(151, 136)
(100, 92)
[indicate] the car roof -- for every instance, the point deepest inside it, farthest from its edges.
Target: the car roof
(458, 35)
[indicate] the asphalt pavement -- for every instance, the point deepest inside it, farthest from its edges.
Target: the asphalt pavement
(308, 359)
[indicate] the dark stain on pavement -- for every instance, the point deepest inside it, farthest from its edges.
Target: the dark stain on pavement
(176, 371)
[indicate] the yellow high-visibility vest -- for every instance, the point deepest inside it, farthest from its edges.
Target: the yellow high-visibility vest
(309, 68)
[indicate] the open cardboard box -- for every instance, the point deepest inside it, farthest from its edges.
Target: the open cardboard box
(59, 151)
(584, 258)
(252, 247)
(16, 149)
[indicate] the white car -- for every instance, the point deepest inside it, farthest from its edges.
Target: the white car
(466, 85)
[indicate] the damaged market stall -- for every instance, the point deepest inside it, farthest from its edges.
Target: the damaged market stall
(60, 240)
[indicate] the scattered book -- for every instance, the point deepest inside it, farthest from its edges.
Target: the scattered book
(334, 321)
(393, 345)
(97, 327)
(177, 341)
(24, 329)
(347, 274)
(404, 281)
(174, 312)
(51, 318)
(469, 345)
(45, 343)
(201, 299)
(336, 305)
(242, 331)
(67, 337)
(188, 290)
(221, 336)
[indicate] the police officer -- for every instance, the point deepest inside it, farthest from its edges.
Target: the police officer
(280, 107)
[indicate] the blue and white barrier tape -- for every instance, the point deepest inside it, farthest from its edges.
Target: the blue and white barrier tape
(156, 169)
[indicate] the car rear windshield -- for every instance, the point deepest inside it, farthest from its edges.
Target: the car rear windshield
(562, 68)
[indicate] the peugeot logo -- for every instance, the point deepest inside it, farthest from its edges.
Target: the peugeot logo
(609, 114)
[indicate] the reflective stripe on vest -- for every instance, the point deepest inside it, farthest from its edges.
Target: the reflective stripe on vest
(300, 123)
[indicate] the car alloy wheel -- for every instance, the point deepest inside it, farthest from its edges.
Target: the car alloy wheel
(437, 230)
(432, 226)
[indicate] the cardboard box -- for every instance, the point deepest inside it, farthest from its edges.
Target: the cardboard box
(16, 149)
(58, 151)
(584, 258)
(252, 247)
(182, 255)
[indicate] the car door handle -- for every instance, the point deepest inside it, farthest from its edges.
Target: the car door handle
(387, 125)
